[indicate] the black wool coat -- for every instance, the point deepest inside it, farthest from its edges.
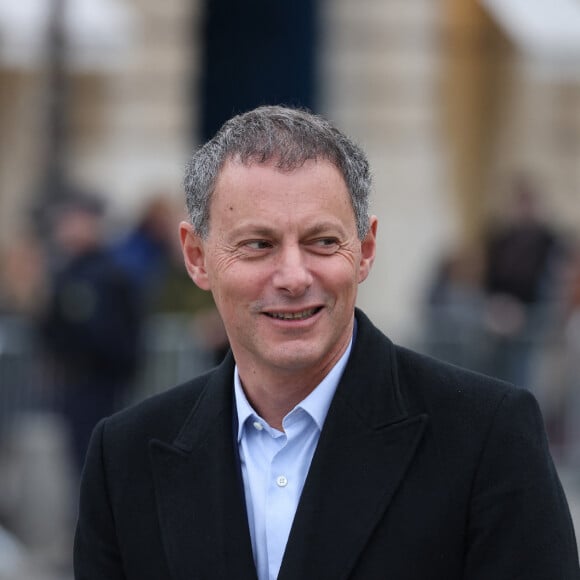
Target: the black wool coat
(423, 471)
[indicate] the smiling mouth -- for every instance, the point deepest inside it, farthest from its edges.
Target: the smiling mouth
(302, 315)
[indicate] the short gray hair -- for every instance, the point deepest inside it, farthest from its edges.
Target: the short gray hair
(289, 137)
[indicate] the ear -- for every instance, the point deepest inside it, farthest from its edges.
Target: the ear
(368, 250)
(194, 255)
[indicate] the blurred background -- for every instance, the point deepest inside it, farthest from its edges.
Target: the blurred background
(469, 111)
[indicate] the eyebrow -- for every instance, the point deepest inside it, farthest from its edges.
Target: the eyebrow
(324, 227)
(261, 230)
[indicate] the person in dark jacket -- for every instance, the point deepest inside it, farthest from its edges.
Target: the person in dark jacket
(318, 449)
(90, 328)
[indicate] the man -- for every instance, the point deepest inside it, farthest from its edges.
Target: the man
(317, 449)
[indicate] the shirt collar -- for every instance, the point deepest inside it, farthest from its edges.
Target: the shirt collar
(316, 404)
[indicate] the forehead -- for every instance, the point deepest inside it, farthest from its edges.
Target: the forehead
(262, 189)
(237, 174)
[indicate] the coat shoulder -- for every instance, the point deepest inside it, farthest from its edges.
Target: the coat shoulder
(159, 416)
(420, 384)
(435, 379)
(462, 404)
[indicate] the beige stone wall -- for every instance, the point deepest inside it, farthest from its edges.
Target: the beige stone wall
(22, 106)
(130, 128)
(133, 132)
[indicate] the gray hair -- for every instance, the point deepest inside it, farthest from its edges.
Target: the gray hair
(289, 137)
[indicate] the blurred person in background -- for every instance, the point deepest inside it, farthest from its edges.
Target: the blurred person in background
(572, 328)
(520, 282)
(22, 276)
(23, 283)
(145, 251)
(90, 327)
(151, 255)
(317, 448)
(562, 401)
(454, 309)
(177, 296)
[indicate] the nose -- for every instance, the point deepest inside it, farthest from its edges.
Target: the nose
(292, 274)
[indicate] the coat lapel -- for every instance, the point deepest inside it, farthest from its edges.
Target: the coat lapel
(199, 491)
(365, 448)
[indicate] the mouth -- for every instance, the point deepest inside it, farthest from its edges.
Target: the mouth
(301, 315)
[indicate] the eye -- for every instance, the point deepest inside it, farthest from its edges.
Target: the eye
(325, 245)
(257, 244)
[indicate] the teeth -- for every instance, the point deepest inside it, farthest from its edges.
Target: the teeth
(293, 315)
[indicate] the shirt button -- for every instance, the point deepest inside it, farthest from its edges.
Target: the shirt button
(258, 426)
(281, 481)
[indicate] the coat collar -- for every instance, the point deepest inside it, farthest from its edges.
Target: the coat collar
(365, 448)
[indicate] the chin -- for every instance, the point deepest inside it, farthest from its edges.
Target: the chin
(297, 360)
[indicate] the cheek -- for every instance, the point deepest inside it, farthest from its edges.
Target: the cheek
(343, 272)
(235, 286)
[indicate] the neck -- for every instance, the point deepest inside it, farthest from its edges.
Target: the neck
(273, 393)
(274, 397)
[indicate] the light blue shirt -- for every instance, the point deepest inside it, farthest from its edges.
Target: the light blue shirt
(275, 465)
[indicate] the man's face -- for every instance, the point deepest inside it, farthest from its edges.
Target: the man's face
(283, 261)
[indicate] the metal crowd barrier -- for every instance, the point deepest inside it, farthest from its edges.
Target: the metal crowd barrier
(171, 354)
